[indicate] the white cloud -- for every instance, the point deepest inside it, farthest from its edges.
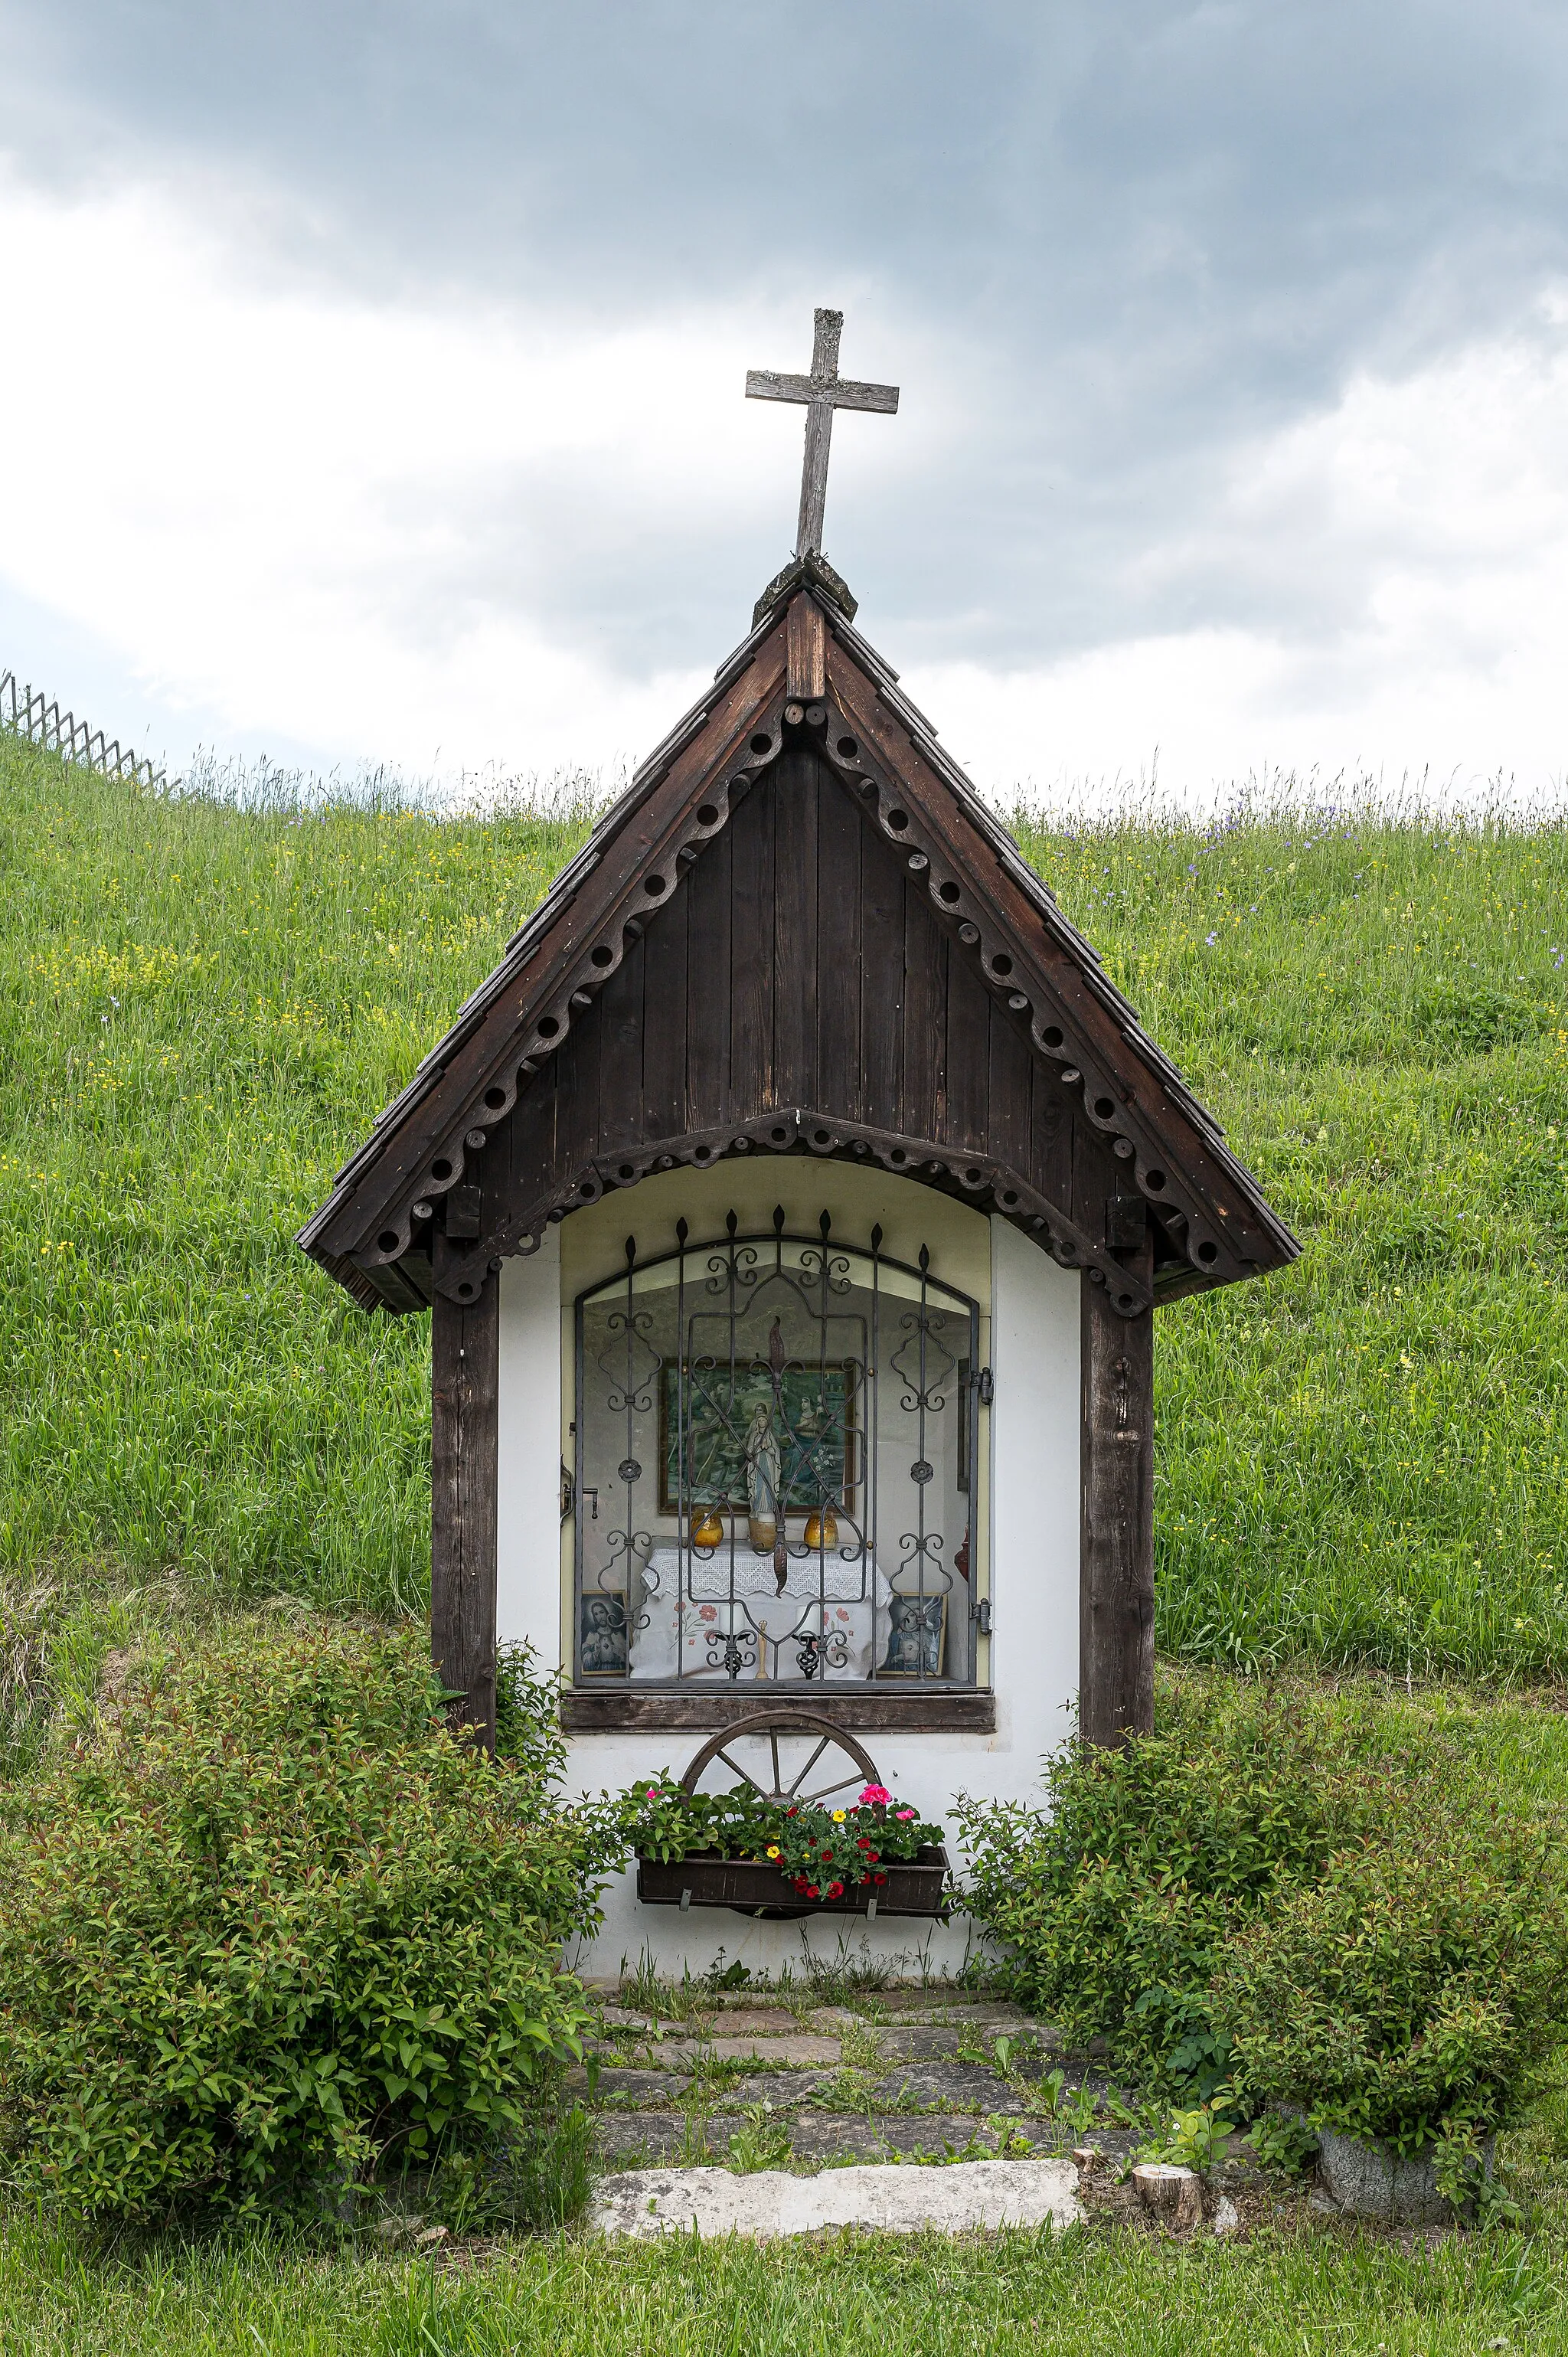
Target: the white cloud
(290, 510)
(259, 500)
(1419, 530)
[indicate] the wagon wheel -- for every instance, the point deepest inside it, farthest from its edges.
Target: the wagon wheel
(793, 1728)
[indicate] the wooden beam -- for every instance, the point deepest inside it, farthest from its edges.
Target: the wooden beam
(698, 1711)
(1116, 1572)
(464, 1352)
(805, 651)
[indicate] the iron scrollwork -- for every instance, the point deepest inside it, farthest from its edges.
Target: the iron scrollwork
(766, 1402)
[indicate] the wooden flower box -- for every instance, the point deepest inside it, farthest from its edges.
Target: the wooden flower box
(914, 1887)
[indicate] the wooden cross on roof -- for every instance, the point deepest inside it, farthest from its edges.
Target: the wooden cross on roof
(822, 391)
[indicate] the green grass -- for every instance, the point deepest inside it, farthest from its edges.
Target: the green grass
(202, 1007)
(1294, 2289)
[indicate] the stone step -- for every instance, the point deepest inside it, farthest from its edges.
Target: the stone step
(965, 2199)
(977, 2196)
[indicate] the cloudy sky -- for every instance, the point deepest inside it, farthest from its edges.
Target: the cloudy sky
(373, 377)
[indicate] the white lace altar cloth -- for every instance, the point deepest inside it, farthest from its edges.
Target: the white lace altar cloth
(674, 1640)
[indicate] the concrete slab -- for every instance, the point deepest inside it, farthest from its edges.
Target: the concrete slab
(970, 2197)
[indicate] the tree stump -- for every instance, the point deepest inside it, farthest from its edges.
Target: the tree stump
(1172, 2195)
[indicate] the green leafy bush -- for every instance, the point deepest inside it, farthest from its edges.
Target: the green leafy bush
(1115, 1901)
(276, 1922)
(1404, 1995)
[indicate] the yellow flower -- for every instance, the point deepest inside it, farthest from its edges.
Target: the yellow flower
(838, 1816)
(772, 1849)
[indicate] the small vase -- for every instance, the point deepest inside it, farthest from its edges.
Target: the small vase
(764, 1530)
(707, 1530)
(821, 1530)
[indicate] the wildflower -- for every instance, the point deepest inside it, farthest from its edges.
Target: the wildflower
(1209, 940)
(876, 1796)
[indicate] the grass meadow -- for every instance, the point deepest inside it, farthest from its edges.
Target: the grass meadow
(202, 1006)
(203, 1003)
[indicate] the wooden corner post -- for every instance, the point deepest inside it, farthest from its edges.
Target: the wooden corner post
(465, 1356)
(1116, 1575)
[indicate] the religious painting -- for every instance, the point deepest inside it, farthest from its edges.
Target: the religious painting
(916, 1635)
(753, 1451)
(603, 1634)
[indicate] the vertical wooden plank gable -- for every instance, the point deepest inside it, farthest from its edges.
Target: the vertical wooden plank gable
(619, 1018)
(751, 955)
(968, 1055)
(881, 979)
(664, 1002)
(840, 975)
(794, 927)
(709, 1097)
(926, 987)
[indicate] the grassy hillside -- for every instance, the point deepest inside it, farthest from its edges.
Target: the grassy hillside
(203, 1008)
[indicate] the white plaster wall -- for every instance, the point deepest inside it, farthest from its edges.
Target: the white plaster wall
(1034, 1444)
(529, 1418)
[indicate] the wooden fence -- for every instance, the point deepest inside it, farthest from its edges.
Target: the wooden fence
(31, 714)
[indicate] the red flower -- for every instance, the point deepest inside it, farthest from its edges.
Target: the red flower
(812, 1891)
(879, 1878)
(836, 1890)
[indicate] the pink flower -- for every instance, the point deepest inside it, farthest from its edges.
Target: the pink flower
(904, 1813)
(876, 1796)
(708, 1613)
(653, 1791)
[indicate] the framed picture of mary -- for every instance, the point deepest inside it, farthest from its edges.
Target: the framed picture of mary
(917, 1637)
(739, 1436)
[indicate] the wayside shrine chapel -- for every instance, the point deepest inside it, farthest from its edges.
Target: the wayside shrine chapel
(792, 1205)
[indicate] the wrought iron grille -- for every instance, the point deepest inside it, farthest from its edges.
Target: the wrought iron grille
(776, 1444)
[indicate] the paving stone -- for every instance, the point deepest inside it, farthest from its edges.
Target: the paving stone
(629, 2138)
(923, 2041)
(832, 2020)
(973, 2195)
(785, 2090)
(798, 2053)
(616, 2017)
(984, 2022)
(962, 2086)
(650, 2087)
(754, 2022)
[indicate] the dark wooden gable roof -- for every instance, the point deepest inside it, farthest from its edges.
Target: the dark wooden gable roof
(800, 929)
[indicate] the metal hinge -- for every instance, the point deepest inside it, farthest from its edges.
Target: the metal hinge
(568, 1489)
(984, 1387)
(981, 1615)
